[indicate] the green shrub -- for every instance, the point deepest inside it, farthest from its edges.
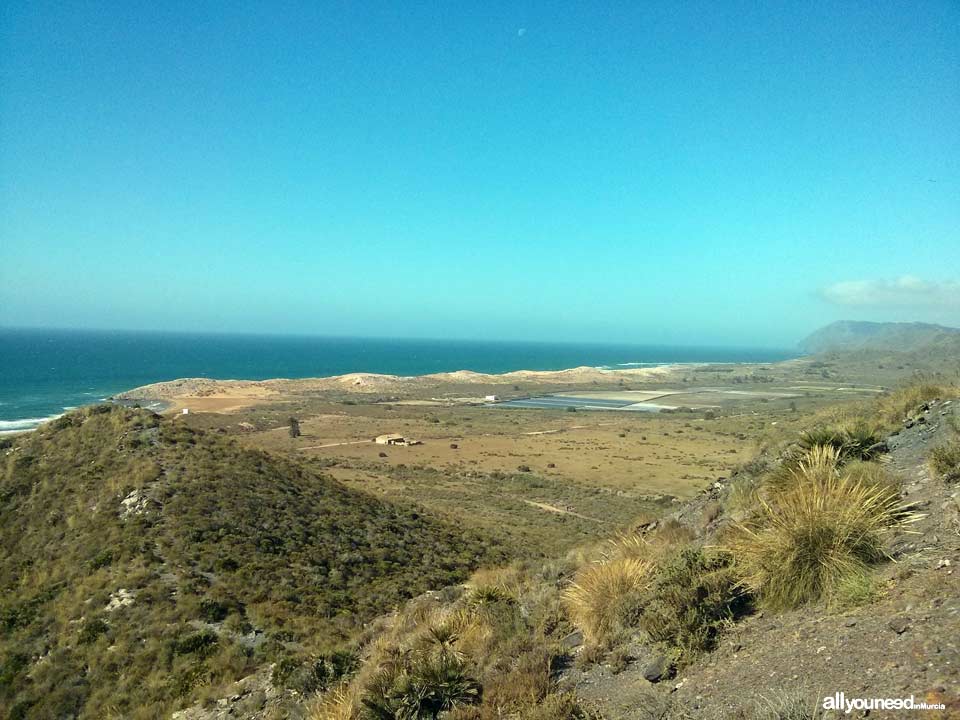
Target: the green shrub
(101, 559)
(691, 598)
(857, 439)
(212, 611)
(316, 675)
(419, 688)
(91, 630)
(201, 643)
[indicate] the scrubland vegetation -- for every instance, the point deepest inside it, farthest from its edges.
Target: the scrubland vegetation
(145, 561)
(145, 565)
(808, 526)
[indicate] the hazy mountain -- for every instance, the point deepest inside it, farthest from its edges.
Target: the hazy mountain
(847, 335)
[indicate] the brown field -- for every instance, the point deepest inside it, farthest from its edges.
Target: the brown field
(543, 479)
(619, 451)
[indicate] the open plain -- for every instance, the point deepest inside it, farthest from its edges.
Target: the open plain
(556, 460)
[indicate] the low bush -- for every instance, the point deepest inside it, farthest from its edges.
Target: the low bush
(690, 599)
(807, 539)
(858, 439)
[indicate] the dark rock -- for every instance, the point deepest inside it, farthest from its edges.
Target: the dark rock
(659, 669)
(878, 448)
(899, 624)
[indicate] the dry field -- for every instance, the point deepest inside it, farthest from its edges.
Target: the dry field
(542, 479)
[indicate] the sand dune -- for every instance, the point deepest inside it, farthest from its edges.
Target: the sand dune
(261, 390)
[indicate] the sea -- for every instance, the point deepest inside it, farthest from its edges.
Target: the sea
(44, 373)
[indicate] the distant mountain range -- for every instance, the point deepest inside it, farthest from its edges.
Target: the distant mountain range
(847, 335)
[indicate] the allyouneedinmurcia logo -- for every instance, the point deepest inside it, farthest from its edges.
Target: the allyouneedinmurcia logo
(840, 701)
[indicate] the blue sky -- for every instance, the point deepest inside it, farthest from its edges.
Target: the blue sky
(702, 173)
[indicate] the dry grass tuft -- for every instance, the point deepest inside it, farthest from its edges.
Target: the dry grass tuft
(945, 462)
(807, 540)
(870, 474)
(894, 407)
(597, 598)
(819, 463)
(342, 703)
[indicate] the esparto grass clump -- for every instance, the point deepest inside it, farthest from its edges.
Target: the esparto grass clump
(808, 538)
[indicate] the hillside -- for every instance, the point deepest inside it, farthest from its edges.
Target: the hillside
(142, 562)
(825, 565)
(847, 335)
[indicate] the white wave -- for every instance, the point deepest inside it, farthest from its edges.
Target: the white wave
(8, 426)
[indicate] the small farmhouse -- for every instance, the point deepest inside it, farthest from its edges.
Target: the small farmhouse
(394, 439)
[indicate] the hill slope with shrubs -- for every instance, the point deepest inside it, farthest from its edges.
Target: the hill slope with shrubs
(825, 565)
(143, 563)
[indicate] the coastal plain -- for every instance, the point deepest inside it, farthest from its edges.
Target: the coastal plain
(584, 460)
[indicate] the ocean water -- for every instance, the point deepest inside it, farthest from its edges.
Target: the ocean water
(46, 372)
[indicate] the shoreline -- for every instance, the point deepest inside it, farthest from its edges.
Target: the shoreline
(15, 426)
(227, 395)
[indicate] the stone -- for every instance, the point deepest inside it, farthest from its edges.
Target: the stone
(899, 624)
(878, 448)
(658, 669)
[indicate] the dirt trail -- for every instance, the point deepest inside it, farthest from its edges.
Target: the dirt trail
(560, 511)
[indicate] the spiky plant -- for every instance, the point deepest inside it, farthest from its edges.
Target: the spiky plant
(819, 463)
(857, 439)
(808, 539)
(488, 595)
(423, 688)
(444, 683)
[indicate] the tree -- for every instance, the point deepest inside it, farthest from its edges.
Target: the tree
(294, 427)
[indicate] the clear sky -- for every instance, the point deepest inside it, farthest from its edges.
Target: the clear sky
(700, 173)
